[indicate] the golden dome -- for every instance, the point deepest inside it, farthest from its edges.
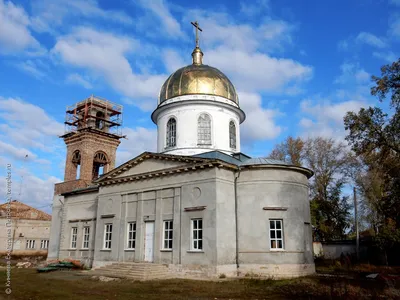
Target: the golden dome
(197, 79)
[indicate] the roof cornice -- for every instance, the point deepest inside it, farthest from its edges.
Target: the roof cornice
(207, 164)
(148, 155)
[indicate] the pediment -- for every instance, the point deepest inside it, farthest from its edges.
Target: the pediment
(150, 165)
(149, 162)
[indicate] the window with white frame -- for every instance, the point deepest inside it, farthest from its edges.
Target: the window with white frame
(197, 234)
(30, 244)
(74, 237)
(167, 235)
(171, 133)
(107, 236)
(276, 234)
(86, 237)
(204, 130)
(131, 235)
(44, 244)
(232, 135)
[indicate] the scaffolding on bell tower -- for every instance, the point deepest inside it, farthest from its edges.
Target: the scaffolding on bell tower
(94, 113)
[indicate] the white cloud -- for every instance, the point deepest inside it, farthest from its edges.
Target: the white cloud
(49, 15)
(78, 79)
(343, 45)
(255, 8)
(168, 23)
(325, 118)
(14, 32)
(394, 25)
(105, 54)
(32, 190)
(31, 68)
(257, 71)
(17, 153)
(306, 123)
(259, 123)
(222, 30)
(138, 140)
(173, 61)
(27, 133)
(362, 76)
(370, 39)
(27, 125)
(351, 73)
(387, 56)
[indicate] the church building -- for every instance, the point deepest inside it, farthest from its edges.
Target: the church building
(198, 206)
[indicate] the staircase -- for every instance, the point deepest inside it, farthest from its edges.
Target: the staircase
(131, 270)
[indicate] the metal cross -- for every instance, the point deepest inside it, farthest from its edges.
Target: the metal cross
(196, 25)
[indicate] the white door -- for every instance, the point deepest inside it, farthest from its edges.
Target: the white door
(149, 242)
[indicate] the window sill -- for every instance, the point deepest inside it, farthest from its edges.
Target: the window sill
(84, 249)
(72, 249)
(105, 250)
(129, 250)
(195, 251)
(165, 250)
(277, 250)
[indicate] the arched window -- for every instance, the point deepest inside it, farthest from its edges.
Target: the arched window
(204, 130)
(232, 135)
(100, 120)
(100, 161)
(171, 133)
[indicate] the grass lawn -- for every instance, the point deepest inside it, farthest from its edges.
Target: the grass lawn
(27, 284)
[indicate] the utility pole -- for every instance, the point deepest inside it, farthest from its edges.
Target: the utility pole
(356, 224)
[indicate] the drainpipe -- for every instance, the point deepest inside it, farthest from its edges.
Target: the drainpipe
(180, 226)
(237, 174)
(61, 229)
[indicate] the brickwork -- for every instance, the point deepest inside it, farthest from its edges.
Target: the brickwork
(88, 143)
(67, 186)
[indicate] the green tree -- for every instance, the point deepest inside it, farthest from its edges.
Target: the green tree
(374, 135)
(330, 162)
(290, 151)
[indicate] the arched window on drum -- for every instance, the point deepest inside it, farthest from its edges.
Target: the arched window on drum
(232, 135)
(204, 130)
(171, 133)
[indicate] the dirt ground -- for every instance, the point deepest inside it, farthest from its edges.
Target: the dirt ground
(28, 284)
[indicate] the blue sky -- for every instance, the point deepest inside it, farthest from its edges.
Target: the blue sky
(298, 67)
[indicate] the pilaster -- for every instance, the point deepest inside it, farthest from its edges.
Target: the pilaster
(158, 224)
(176, 253)
(139, 248)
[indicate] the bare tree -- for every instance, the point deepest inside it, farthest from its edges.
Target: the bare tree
(290, 151)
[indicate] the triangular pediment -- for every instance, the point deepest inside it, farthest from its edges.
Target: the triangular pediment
(149, 162)
(150, 165)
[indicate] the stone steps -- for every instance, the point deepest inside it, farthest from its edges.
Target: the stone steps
(135, 271)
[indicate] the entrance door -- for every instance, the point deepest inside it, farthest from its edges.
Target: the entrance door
(149, 242)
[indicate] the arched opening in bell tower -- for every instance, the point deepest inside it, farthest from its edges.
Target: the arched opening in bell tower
(76, 161)
(100, 165)
(99, 120)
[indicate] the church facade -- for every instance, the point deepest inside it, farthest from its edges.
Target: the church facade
(198, 205)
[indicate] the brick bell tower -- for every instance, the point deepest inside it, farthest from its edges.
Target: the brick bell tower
(92, 135)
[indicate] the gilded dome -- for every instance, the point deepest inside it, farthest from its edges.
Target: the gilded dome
(198, 79)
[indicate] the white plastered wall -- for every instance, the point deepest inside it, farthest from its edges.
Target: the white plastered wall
(186, 116)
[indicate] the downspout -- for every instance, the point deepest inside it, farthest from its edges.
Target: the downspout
(180, 226)
(61, 229)
(237, 174)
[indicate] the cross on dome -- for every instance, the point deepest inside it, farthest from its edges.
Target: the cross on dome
(197, 54)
